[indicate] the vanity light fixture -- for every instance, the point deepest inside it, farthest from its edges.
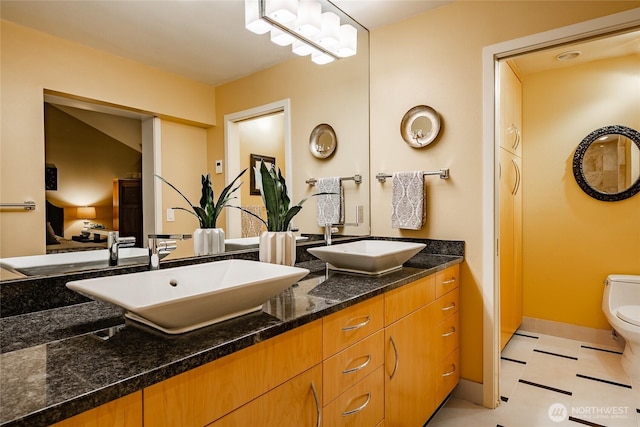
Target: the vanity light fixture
(565, 56)
(301, 24)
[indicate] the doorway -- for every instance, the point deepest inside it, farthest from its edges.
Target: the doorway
(491, 223)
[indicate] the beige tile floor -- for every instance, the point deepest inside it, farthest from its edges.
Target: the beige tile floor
(583, 383)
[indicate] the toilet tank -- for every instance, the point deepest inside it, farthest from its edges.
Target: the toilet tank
(622, 289)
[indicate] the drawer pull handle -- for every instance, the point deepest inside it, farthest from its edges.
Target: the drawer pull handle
(395, 351)
(451, 307)
(358, 409)
(448, 334)
(359, 367)
(451, 372)
(358, 326)
(318, 410)
(448, 282)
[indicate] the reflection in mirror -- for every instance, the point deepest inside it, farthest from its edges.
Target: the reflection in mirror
(183, 117)
(606, 164)
(323, 141)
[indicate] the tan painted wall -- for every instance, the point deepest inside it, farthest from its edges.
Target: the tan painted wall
(436, 59)
(578, 239)
(32, 62)
(335, 93)
(184, 161)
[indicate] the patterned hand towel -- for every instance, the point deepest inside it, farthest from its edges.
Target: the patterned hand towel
(408, 200)
(330, 205)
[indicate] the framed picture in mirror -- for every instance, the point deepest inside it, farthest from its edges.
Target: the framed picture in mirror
(254, 161)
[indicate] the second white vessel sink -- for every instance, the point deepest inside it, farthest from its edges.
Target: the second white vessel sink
(181, 299)
(367, 256)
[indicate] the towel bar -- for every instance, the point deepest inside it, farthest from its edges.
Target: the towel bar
(357, 178)
(443, 173)
(27, 205)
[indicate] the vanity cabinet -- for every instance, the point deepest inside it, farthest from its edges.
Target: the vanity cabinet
(421, 347)
(202, 395)
(353, 377)
(123, 412)
(510, 207)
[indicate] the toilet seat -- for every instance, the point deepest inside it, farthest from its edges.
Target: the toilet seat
(630, 314)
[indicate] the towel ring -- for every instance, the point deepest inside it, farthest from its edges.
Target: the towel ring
(420, 126)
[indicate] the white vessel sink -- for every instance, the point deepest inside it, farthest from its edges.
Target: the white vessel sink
(181, 299)
(35, 265)
(367, 256)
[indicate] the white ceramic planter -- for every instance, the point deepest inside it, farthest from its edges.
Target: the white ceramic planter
(208, 241)
(278, 247)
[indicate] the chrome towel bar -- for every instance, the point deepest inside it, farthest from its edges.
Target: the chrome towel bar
(27, 205)
(357, 178)
(443, 173)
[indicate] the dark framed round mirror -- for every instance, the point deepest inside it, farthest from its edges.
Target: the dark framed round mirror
(606, 164)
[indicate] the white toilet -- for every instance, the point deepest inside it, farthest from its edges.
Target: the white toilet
(621, 306)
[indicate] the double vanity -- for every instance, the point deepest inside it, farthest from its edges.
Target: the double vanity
(335, 348)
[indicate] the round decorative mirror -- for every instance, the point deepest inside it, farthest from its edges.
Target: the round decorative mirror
(420, 126)
(606, 164)
(323, 141)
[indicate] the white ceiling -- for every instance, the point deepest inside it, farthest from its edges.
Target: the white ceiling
(204, 40)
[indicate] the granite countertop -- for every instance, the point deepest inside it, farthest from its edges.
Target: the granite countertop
(59, 362)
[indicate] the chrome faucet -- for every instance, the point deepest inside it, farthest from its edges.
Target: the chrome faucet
(329, 229)
(161, 244)
(114, 243)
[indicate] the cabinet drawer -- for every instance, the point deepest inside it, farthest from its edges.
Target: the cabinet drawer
(346, 368)
(407, 299)
(204, 394)
(447, 280)
(447, 337)
(293, 404)
(346, 327)
(446, 306)
(448, 375)
(360, 406)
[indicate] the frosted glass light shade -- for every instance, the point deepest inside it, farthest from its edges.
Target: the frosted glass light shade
(281, 38)
(321, 58)
(301, 48)
(309, 18)
(330, 30)
(282, 11)
(348, 41)
(252, 21)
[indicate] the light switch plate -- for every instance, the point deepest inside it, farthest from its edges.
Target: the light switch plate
(218, 166)
(171, 215)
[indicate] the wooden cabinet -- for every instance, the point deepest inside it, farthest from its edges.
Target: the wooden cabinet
(296, 403)
(127, 209)
(510, 208)
(123, 412)
(421, 367)
(204, 394)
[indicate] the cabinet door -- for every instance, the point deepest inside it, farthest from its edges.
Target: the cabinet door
(409, 382)
(208, 392)
(123, 412)
(510, 110)
(296, 403)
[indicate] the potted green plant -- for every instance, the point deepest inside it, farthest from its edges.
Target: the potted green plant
(277, 244)
(208, 239)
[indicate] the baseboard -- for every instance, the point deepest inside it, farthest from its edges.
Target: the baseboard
(469, 390)
(565, 330)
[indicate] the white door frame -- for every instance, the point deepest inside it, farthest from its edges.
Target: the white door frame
(232, 152)
(490, 286)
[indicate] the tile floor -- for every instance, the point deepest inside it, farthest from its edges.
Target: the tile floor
(551, 381)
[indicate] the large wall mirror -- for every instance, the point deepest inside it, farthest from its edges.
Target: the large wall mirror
(282, 75)
(606, 164)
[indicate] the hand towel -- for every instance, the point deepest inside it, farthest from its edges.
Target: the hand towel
(408, 200)
(329, 205)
